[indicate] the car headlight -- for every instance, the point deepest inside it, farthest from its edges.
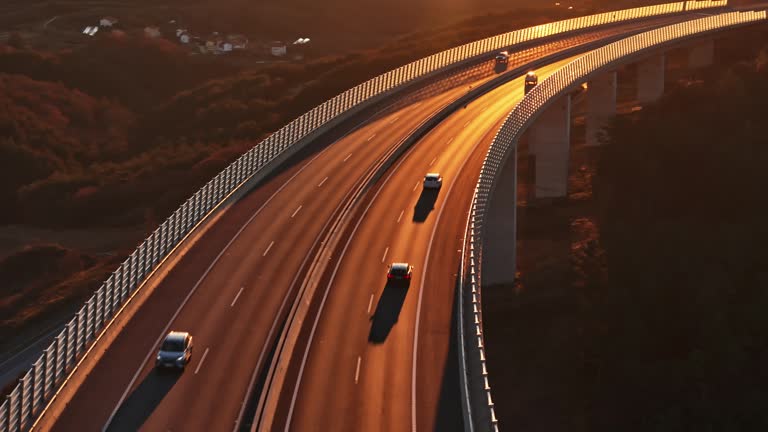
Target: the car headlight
(180, 359)
(159, 358)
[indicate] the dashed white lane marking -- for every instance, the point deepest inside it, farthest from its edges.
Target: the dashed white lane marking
(321, 183)
(237, 297)
(349, 155)
(417, 185)
(357, 370)
(394, 120)
(268, 248)
(370, 303)
(385, 254)
(416, 104)
(185, 300)
(371, 137)
(433, 161)
(202, 359)
(401, 215)
(484, 108)
(467, 123)
(450, 140)
(295, 211)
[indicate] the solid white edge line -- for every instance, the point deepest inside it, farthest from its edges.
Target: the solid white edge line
(202, 359)
(401, 215)
(275, 322)
(370, 303)
(268, 248)
(330, 282)
(421, 285)
(285, 299)
(295, 211)
(357, 369)
(237, 297)
(194, 288)
(385, 254)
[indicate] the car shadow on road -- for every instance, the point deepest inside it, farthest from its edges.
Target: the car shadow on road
(387, 310)
(144, 400)
(425, 204)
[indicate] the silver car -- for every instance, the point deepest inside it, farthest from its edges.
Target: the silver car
(433, 181)
(175, 351)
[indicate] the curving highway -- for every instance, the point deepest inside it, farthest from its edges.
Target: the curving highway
(252, 257)
(380, 350)
(379, 357)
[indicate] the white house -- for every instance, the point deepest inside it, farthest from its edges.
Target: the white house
(183, 35)
(108, 21)
(90, 30)
(238, 41)
(152, 32)
(278, 49)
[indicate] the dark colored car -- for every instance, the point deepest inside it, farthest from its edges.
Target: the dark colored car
(502, 58)
(175, 351)
(400, 271)
(531, 79)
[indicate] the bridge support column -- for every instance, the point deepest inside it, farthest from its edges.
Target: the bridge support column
(549, 143)
(650, 79)
(702, 54)
(601, 105)
(500, 238)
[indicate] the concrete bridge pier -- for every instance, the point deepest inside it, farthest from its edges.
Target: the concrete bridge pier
(500, 239)
(601, 105)
(702, 54)
(549, 140)
(650, 79)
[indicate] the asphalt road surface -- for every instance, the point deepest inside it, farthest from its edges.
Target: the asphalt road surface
(237, 292)
(366, 369)
(379, 359)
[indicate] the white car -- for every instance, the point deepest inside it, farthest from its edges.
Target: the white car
(433, 181)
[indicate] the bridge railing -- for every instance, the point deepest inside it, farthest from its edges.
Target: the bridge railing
(39, 386)
(504, 146)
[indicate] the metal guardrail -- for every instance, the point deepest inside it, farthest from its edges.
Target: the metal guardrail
(40, 384)
(504, 144)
